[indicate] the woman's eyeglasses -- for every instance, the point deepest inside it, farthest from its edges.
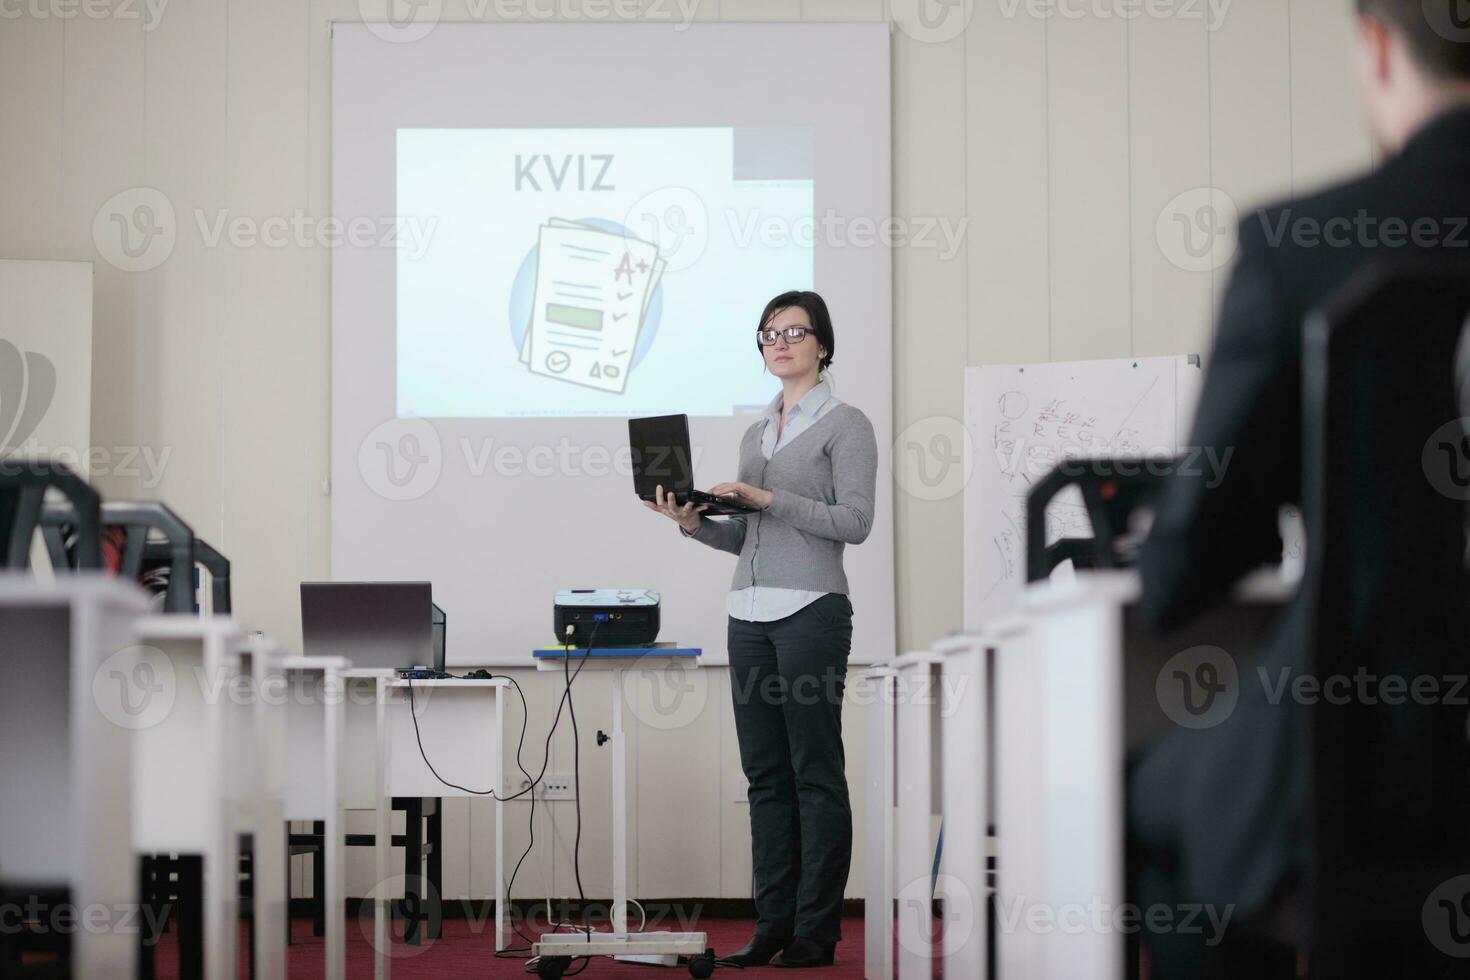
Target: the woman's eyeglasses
(793, 335)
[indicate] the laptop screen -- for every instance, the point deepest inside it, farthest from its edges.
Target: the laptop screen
(373, 624)
(660, 446)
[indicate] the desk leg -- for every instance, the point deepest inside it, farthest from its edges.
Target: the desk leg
(335, 902)
(269, 859)
(1080, 649)
(878, 904)
(287, 869)
(382, 916)
(413, 870)
(915, 837)
(436, 868)
(382, 847)
(497, 757)
(1020, 764)
(319, 881)
(253, 884)
(964, 755)
(332, 847)
(153, 912)
(221, 891)
(191, 916)
(619, 809)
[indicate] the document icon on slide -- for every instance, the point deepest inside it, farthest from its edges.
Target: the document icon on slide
(593, 288)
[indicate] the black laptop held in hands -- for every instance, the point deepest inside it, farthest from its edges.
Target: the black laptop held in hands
(661, 457)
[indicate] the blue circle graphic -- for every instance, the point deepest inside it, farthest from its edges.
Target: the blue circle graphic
(523, 295)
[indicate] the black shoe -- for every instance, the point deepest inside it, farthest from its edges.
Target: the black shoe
(802, 952)
(757, 952)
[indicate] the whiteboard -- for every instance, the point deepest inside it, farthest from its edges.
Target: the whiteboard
(1023, 419)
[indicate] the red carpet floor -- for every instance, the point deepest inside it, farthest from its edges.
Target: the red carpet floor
(467, 950)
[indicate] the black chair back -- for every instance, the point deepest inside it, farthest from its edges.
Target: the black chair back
(1111, 489)
(1386, 477)
(23, 486)
(136, 518)
(218, 567)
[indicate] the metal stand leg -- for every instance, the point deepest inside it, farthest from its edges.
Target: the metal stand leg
(165, 888)
(619, 809)
(148, 937)
(251, 894)
(383, 906)
(191, 915)
(250, 932)
(436, 868)
(288, 883)
(413, 861)
(319, 880)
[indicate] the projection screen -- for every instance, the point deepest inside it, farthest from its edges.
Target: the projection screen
(548, 229)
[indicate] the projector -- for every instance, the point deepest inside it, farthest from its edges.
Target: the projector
(621, 617)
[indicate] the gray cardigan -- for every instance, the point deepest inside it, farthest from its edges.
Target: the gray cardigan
(822, 485)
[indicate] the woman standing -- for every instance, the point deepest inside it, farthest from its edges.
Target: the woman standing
(809, 466)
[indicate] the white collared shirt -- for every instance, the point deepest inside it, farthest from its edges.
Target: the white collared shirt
(764, 603)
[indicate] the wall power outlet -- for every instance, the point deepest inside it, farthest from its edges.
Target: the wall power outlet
(554, 786)
(557, 786)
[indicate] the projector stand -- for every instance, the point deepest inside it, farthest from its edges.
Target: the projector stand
(557, 949)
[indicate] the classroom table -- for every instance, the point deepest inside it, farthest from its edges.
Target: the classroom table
(365, 787)
(876, 686)
(71, 651)
(914, 711)
(557, 948)
(313, 735)
(460, 724)
(255, 739)
(186, 798)
(965, 798)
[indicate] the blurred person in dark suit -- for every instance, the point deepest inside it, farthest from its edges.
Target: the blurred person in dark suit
(1223, 816)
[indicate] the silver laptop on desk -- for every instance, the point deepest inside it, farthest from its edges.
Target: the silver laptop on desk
(372, 624)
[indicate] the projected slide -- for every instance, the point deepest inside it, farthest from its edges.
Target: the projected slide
(595, 272)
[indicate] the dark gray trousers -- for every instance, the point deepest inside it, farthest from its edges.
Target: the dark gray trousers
(787, 679)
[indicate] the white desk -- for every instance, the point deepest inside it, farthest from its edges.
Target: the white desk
(65, 813)
(1057, 788)
(1075, 683)
(965, 800)
(1036, 713)
(1019, 800)
(876, 685)
(186, 800)
(620, 942)
(461, 722)
(948, 687)
(365, 787)
(314, 724)
(256, 743)
(915, 703)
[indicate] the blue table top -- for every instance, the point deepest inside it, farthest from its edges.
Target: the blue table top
(552, 652)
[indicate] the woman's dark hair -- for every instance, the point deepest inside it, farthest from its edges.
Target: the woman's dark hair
(1434, 30)
(816, 311)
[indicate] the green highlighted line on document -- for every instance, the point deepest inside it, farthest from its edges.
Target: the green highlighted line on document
(574, 316)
